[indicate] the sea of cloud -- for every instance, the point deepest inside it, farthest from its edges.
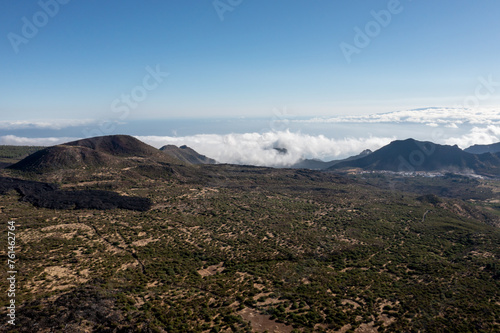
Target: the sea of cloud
(54, 124)
(449, 117)
(260, 148)
(13, 140)
(477, 135)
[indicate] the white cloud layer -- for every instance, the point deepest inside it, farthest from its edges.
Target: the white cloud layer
(22, 141)
(450, 117)
(257, 148)
(55, 124)
(477, 136)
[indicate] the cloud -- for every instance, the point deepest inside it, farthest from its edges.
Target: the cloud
(258, 148)
(477, 136)
(55, 124)
(22, 141)
(451, 117)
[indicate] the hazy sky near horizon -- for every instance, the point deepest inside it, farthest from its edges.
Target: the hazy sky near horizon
(76, 59)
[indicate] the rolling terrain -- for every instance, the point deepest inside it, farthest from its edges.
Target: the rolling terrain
(227, 248)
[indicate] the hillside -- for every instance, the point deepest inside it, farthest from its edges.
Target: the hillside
(411, 155)
(62, 157)
(98, 152)
(186, 154)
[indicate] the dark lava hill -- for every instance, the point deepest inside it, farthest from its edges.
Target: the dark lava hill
(105, 151)
(118, 145)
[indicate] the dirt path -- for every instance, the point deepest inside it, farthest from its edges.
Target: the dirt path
(425, 215)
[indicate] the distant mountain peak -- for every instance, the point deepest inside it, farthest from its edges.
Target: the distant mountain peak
(281, 151)
(365, 152)
(187, 154)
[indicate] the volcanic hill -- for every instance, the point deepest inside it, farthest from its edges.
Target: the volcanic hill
(104, 151)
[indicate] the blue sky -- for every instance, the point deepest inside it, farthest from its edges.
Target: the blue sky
(263, 55)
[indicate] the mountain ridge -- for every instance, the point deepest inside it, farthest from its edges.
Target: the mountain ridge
(313, 164)
(481, 149)
(411, 155)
